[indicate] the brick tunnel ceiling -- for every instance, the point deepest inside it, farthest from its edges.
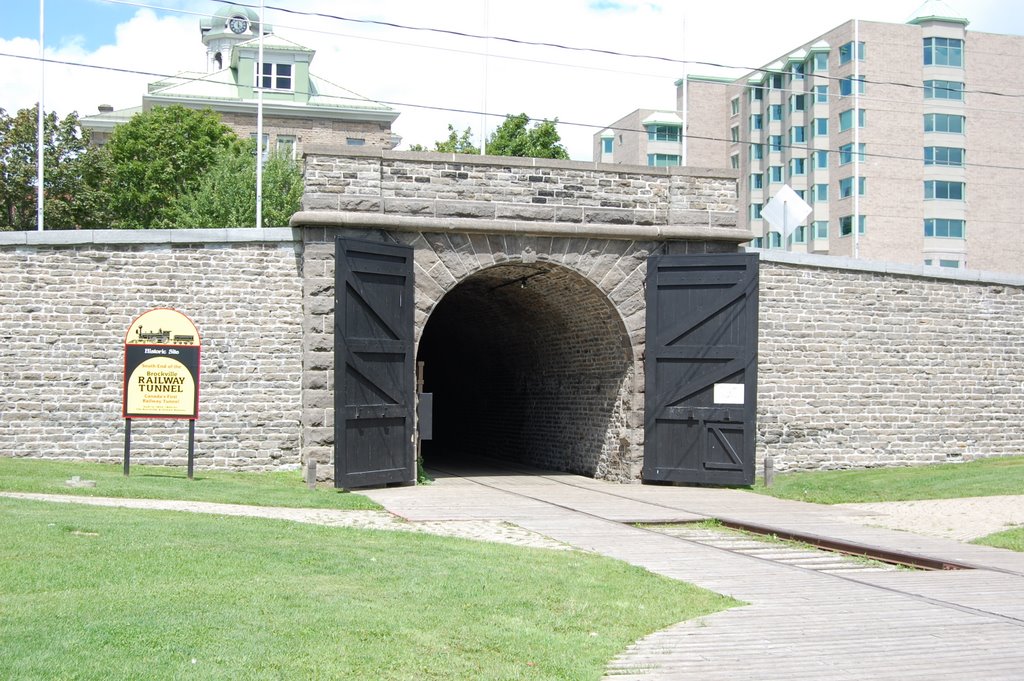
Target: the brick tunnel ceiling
(526, 363)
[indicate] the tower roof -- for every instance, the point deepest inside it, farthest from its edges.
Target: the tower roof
(937, 10)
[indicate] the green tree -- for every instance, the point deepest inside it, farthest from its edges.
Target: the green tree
(514, 138)
(457, 143)
(155, 159)
(68, 165)
(226, 195)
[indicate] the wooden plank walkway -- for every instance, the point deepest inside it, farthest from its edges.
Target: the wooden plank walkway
(800, 624)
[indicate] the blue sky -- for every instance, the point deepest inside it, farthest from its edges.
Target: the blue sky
(90, 22)
(444, 72)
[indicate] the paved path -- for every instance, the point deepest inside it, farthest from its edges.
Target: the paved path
(960, 519)
(799, 624)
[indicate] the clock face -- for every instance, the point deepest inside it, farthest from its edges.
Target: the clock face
(238, 24)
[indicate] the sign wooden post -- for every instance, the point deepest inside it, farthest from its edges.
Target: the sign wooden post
(161, 373)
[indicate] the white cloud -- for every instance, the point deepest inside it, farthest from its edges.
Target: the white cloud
(445, 71)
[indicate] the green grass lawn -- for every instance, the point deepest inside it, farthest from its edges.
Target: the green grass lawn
(1012, 539)
(158, 482)
(100, 593)
(985, 477)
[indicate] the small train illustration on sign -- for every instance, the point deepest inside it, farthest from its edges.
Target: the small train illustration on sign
(161, 337)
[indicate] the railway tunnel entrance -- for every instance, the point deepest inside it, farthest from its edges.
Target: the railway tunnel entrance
(528, 363)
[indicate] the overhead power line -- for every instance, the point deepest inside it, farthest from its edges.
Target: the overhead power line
(411, 105)
(534, 43)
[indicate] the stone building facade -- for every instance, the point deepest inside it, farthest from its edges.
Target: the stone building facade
(528, 273)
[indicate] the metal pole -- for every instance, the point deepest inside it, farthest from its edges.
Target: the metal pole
(856, 138)
(684, 157)
(191, 446)
(487, 56)
(127, 444)
(259, 127)
(39, 142)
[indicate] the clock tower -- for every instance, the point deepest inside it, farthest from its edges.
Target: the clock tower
(230, 25)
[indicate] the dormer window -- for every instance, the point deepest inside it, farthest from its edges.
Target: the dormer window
(275, 77)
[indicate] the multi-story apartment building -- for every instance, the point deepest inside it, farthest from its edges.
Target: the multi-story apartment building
(903, 138)
(299, 107)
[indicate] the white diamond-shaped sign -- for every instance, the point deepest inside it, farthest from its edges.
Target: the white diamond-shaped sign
(786, 211)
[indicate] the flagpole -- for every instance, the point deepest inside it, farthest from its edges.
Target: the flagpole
(259, 125)
(40, 194)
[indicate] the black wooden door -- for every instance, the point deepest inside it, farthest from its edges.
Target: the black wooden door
(701, 368)
(373, 359)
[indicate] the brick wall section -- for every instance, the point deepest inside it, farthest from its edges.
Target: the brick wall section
(533, 190)
(866, 368)
(65, 310)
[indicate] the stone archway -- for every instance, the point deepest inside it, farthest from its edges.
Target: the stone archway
(530, 362)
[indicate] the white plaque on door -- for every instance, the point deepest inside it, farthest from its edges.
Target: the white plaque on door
(728, 393)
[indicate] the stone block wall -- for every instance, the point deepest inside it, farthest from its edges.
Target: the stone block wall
(435, 185)
(864, 365)
(66, 301)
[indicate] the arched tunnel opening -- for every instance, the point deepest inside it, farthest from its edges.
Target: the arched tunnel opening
(529, 364)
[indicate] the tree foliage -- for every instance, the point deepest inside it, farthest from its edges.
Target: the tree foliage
(226, 195)
(457, 143)
(68, 166)
(156, 158)
(514, 138)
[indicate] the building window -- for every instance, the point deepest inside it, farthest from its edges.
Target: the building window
(355, 141)
(946, 229)
(821, 61)
(756, 181)
(799, 235)
(846, 86)
(757, 242)
(734, 106)
(798, 134)
(846, 153)
(821, 160)
(943, 52)
(775, 112)
(846, 52)
(755, 211)
(756, 121)
(820, 192)
(774, 240)
(756, 152)
(846, 187)
(821, 94)
(286, 146)
(846, 119)
(756, 93)
(936, 122)
(846, 225)
(734, 161)
(797, 103)
(775, 142)
(821, 127)
(663, 160)
(775, 173)
(954, 264)
(775, 81)
(797, 167)
(607, 145)
(944, 190)
(944, 89)
(943, 156)
(796, 71)
(658, 132)
(265, 145)
(734, 133)
(821, 229)
(275, 76)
